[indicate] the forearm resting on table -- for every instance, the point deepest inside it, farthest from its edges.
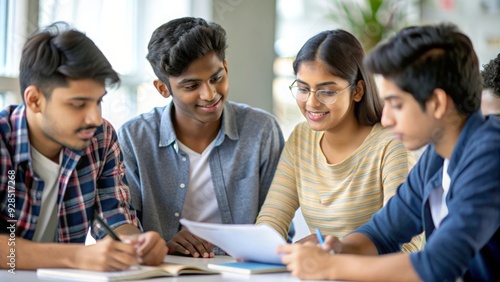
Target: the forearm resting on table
(391, 267)
(359, 260)
(32, 255)
(359, 244)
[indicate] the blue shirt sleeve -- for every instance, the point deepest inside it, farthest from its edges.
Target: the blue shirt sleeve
(473, 216)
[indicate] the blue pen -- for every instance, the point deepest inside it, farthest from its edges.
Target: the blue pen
(322, 241)
(320, 237)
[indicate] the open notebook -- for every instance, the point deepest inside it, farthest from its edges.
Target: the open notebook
(166, 269)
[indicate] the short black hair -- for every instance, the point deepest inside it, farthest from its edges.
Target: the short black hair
(177, 43)
(343, 55)
(57, 53)
(420, 59)
(491, 75)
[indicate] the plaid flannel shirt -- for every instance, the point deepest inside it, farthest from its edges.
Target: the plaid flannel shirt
(90, 181)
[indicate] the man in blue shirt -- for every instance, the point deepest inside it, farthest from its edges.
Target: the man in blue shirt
(431, 86)
(201, 157)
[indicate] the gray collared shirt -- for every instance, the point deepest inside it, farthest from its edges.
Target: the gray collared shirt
(242, 163)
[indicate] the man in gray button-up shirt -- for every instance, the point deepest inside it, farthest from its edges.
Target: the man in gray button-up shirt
(200, 148)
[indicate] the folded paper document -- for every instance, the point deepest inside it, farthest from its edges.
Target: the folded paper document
(257, 243)
(166, 269)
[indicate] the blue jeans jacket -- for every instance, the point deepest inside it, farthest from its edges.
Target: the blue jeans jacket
(467, 243)
(242, 163)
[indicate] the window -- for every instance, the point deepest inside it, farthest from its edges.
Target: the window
(4, 6)
(296, 22)
(121, 29)
(12, 34)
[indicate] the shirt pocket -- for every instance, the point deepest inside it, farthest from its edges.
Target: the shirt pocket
(247, 186)
(245, 198)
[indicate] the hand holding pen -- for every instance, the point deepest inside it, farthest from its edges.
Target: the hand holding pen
(149, 246)
(109, 254)
(111, 233)
(321, 241)
(106, 228)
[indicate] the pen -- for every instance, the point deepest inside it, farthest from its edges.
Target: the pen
(106, 227)
(320, 237)
(322, 241)
(109, 231)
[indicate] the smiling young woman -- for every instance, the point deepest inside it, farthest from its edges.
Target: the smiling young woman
(340, 166)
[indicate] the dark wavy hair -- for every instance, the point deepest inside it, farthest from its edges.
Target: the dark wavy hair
(177, 43)
(343, 55)
(420, 59)
(491, 75)
(57, 53)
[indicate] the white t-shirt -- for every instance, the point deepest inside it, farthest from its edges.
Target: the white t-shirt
(437, 198)
(48, 219)
(200, 203)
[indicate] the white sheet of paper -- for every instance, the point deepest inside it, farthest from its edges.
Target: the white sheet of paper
(246, 241)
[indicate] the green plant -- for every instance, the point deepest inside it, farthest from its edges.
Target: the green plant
(371, 20)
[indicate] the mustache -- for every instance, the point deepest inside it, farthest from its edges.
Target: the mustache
(86, 128)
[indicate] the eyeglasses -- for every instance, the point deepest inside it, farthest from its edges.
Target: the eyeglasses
(324, 96)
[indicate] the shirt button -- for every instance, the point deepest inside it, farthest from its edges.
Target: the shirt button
(183, 159)
(176, 214)
(182, 185)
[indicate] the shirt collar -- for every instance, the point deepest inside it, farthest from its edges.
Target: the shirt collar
(471, 125)
(229, 127)
(167, 132)
(20, 127)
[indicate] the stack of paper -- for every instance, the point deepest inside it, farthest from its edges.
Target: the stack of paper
(255, 243)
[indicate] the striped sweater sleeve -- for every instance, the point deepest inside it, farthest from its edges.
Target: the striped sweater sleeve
(282, 199)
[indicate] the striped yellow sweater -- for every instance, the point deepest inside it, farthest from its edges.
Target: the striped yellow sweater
(335, 198)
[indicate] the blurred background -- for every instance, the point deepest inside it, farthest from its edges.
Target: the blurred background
(263, 38)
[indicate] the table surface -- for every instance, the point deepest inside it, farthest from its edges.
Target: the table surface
(30, 275)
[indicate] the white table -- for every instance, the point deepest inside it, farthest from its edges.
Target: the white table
(30, 275)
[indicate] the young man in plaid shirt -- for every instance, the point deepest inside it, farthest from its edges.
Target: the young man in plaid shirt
(61, 164)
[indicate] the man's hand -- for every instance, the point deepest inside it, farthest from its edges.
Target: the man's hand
(106, 255)
(332, 245)
(151, 248)
(186, 243)
(312, 238)
(307, 261)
